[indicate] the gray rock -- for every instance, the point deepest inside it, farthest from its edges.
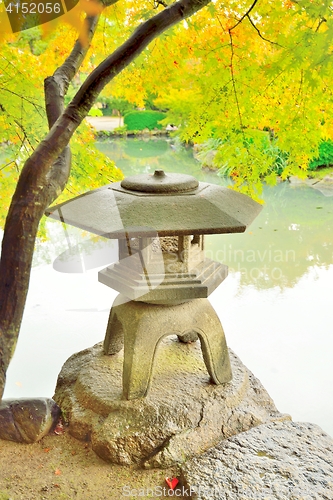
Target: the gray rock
(280, 460)
(325, 186)
(183, 415)
(293, 179)
(27, 420)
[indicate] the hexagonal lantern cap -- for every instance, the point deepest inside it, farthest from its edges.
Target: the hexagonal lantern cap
(164, 204)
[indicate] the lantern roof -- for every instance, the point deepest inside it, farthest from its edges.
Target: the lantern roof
(164, 204)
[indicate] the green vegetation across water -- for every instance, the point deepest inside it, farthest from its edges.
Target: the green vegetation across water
(140, 120)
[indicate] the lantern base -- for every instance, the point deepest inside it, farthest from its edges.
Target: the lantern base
(182, 415)
(140, 327)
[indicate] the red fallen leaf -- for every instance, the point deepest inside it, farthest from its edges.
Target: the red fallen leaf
(59, 428)
(171, 482)
(57, 472)
(46, 450)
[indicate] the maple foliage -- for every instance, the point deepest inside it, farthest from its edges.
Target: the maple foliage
(25, 60)
(228, 73)
(256, 77)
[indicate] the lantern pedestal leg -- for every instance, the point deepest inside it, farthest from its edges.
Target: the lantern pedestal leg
(140, 326)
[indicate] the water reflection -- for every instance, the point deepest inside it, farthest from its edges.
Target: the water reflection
(137, 156)
(292, 234)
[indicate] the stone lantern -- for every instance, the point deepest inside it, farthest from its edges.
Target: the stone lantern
(162, 275)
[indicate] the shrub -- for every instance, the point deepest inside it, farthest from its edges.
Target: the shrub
(216, 153)
(325, 157)
(120, 130)
(107, 111)
(139, 120)
(207, 151)
(279, 157)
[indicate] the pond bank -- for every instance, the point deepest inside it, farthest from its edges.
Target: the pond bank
(324, 184)
(108, 126)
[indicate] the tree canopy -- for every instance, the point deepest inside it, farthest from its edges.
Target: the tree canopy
(253, 77)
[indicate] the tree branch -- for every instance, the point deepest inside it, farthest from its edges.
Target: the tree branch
(55, 89)
(56, 86)
(37, 107)
(244, 16)
(259, 33)
(234, 84)
(321, 21)
(159, 2)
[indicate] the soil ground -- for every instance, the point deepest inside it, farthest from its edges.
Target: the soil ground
(62, 468)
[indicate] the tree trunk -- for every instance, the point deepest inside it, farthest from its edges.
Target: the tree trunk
(45, 173)
(27, 208)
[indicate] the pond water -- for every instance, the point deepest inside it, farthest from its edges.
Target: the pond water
(275, 305)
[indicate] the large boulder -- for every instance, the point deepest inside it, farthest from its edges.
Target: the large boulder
(276, 461)
(183, 414)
